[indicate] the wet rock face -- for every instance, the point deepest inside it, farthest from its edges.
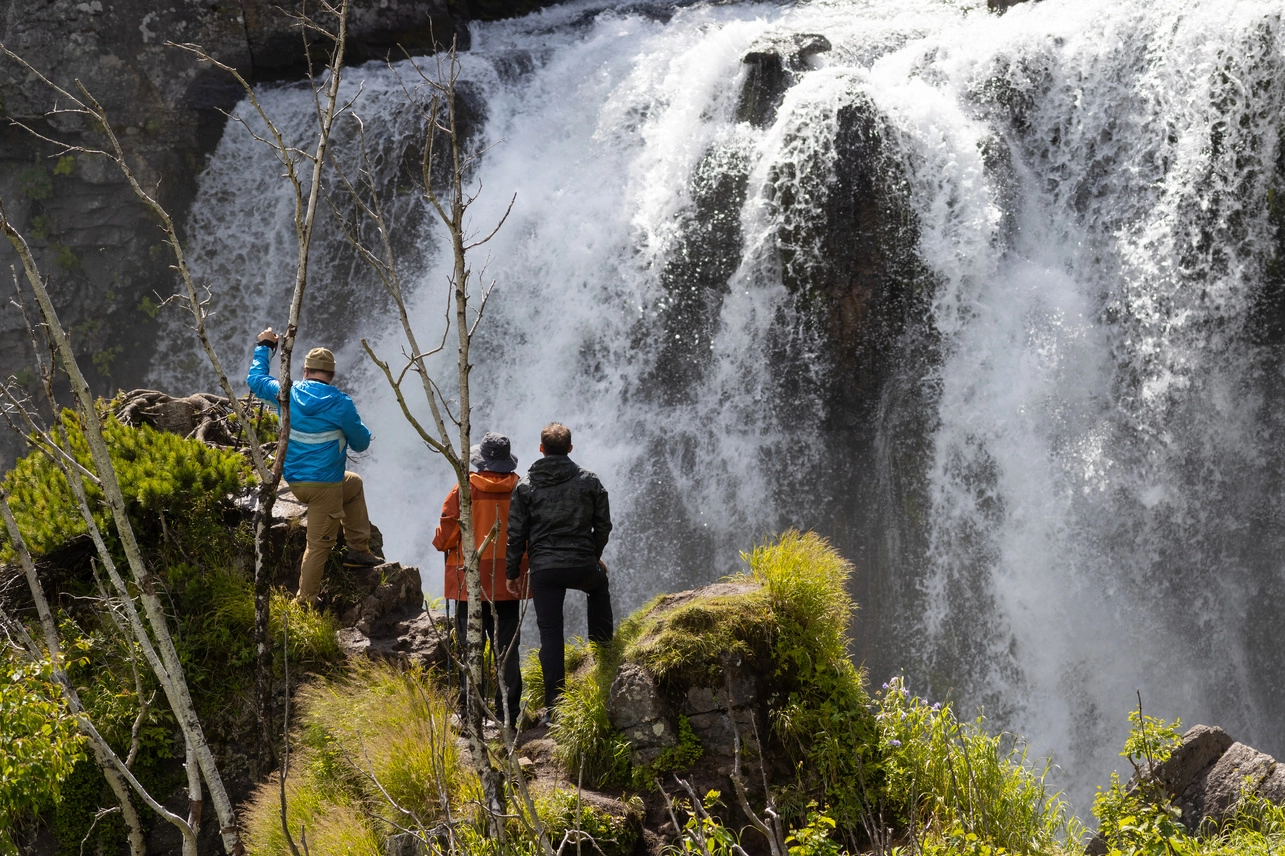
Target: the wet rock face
(772, 67)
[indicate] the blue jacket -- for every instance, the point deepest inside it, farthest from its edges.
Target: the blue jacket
(323, 424)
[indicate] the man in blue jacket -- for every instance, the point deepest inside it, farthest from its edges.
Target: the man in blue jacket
(323, 424)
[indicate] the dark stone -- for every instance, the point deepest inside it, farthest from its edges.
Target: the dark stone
(1216, 791)
(634, 698)
(396, 593)
(1202, 745)
(422, 638)
(405, 844)
(1002, 6)
(636, 708)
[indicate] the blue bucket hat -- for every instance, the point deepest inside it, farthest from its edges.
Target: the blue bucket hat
(493, 455)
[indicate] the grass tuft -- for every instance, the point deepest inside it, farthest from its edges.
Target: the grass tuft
(588, 747)
(376, 746)
(958, 785)
(313, 641)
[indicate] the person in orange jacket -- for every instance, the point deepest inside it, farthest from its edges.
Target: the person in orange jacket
(490, 487)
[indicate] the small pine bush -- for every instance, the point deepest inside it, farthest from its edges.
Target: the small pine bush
(162, 475)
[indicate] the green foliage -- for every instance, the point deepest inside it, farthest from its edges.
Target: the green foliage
(176, 493)
(814, 838)
(313, 639)
(1142, 820)
(685, 645)
(821, 712)
(66, 165)
(1138, 825)
(566, 816)
(35, 182)
(82, 796)
(790, 611)
(951, 779)
(703, 834)
(1150, 740)
(371, 724)
(42, 226)
(65, 257)
(103, 359)
(957, 841)
(39, 742)
(672, 758)
(148, 306)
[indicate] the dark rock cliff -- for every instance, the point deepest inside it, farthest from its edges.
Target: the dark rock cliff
(98, 245)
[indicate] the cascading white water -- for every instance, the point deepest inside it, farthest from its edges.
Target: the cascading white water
(1091, 508)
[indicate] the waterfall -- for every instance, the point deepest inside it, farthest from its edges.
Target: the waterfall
(993, 302)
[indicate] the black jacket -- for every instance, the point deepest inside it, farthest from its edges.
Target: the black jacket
(559, 517)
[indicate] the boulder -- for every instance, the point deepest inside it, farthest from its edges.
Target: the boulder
(636, 708)
(395, 594)
(1209, 773)
(718, 714)
(422, 639)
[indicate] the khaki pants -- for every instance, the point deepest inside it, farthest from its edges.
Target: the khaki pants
(330, 504)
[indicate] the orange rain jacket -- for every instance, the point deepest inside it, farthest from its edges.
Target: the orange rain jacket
(491, 493)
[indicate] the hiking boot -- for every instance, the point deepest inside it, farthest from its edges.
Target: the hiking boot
(361, 559)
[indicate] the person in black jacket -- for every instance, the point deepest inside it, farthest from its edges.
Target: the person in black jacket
(559, 517)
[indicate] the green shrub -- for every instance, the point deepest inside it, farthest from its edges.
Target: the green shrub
(959, 787)
(567, 816)
(176, 493)
(814, 838)
(821, 713)
(39, 743)
(703, 833)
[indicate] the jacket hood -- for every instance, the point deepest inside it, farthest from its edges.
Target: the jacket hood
(314, 398)
(493, 482)
(551, 470)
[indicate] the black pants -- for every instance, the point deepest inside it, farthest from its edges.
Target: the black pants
(549, 589)
(504, 644)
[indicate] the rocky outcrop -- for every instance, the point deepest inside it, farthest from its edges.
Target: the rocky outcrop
(91, 235)
(391, 624)
(718, 716)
